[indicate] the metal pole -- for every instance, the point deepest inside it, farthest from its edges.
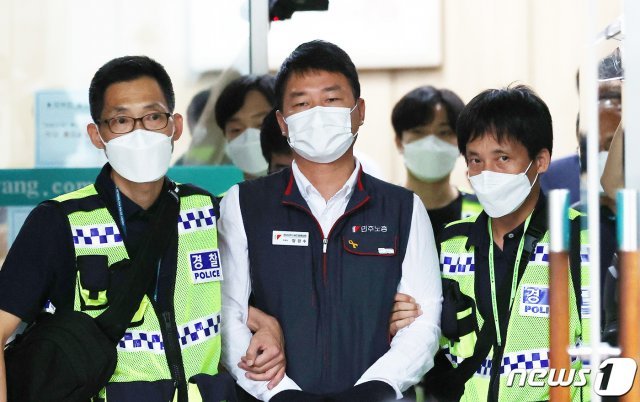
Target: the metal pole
(631, 100)
(629, 305)
(559, 289)
(258, 34)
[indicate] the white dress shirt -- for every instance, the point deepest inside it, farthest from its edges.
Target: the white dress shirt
(412, 349)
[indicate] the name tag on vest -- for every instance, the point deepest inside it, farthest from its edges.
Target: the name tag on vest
(284, 238)
(205, 266)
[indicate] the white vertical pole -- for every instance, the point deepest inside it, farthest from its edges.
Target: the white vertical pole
(589, 86)
(629, 286)
(631, 102)
(259, 32)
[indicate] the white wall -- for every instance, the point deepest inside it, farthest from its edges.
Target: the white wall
(490, 44)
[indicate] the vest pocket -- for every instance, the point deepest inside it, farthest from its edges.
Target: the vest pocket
(213, 388)
(135, 391)
(458, 322)
(93, 271)
(372, 244)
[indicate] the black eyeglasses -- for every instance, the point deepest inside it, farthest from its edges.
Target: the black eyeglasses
(126, 124)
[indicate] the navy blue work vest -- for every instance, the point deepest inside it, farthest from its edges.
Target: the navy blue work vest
(333, 306)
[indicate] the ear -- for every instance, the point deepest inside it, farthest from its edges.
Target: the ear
(94, 136)
(178, 124)
(361, 109)
(542, 160)
(283, 125)
(399, 145)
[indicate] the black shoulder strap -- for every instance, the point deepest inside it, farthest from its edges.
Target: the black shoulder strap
(535, 231)
(575, 263)
(116, 319)
(487, 335)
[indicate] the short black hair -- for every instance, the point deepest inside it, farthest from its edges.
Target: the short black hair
(417, 108)
(316, 55)
(271, 139)
(233, 95)
(515, 113)
(127, 68)
(196, 107)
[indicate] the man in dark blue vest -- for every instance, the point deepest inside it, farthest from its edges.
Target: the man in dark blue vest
(324, 247)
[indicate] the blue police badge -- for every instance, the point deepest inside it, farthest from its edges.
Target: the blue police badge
(535, 301)
(205, 266)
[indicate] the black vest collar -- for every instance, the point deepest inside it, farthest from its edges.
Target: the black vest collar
(292, 196)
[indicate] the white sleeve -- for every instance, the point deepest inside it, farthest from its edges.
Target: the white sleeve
(236, 288)
(412, 349)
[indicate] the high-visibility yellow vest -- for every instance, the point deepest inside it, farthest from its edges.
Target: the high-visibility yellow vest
(197, 292)
(527, 341)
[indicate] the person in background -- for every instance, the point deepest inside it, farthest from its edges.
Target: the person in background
(194, 111)
(324, 247)
(239, 112)
(565, 172)
(275, 148)
(196, 107)
(424, 121)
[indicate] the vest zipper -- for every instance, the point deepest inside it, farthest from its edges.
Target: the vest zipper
(173, 355)
(172, 350)
(325, 242)
(325, 239)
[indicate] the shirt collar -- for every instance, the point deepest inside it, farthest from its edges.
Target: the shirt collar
(307, 189)
(107, 190)
(478, 232)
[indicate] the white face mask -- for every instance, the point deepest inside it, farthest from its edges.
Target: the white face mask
(141, 156)
(501, 193)
(430, 158)
(245, 152)
(321, 134)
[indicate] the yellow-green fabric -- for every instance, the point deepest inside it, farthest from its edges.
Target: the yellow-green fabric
(470, 205)
(527, 342)
(197, 306)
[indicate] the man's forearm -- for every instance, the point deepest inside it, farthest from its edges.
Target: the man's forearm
(257, 319)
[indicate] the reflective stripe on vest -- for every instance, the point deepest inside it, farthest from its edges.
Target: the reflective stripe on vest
(197, 306)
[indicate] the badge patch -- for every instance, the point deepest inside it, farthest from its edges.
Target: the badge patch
(535, 301)
(369, 229)
(205, 266)
(283, 238)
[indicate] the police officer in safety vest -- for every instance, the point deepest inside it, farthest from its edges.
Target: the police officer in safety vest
(495, 279)
(496, 307)
(172, 348)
